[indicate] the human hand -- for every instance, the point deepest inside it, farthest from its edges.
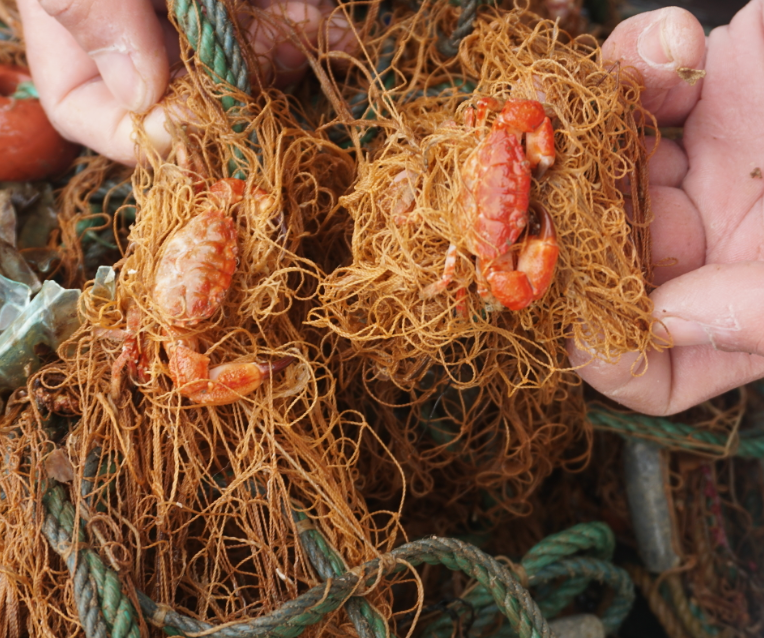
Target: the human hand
(707, 197)
(95, 61)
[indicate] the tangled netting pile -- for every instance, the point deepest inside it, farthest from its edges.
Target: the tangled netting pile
(489, 399)
(388, 392)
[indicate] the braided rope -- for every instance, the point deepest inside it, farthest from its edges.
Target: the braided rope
(329, 564)
(104, 610)
(548, 560)
(210, 33)
(677, 435)
(309, 608)
(225, 38)
(594, 536)
(449, 46)
(560, 597)
(682, 607)
(594, 569)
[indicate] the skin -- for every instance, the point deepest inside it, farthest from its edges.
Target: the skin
(96, 61)
(708, 202)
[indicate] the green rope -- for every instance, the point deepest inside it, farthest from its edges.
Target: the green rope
(594, 569)
(329, 564)
(210, 34)
(104, 610)
(309, 608)
(677, 435)
(550, 560)
(595, 537)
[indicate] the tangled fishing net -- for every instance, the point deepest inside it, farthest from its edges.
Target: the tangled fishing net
(486, 390)
(388, 393)
(198, 506)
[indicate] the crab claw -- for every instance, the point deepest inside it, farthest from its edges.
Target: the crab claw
(539, 148)
(227, 191)
(516, 289)
(221, 385)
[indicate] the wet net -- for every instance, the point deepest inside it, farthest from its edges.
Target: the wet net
(382, 392)
(461, 384)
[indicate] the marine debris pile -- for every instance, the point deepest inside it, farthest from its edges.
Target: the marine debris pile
(268, 376)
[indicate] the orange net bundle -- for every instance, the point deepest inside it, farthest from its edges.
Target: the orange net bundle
(419, 338)
(405, 207)
(197, 505)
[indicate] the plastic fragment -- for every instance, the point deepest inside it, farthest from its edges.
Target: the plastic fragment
(15, 267)
(14, 298)
(648, 504)
(578, 626)
(105, 283)
(48, 320)
(7, 218)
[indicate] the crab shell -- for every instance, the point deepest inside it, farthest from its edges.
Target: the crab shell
(196, 269)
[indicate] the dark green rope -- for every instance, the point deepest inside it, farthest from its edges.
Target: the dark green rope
(210, 34)
(225, 38)
(104, 610)
(595, 537)
(677, 435)
(310, 608)
(550, 560)
(449, 46)
(601, 571)
(329, 564)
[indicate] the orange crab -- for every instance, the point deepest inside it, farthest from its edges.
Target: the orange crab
(493, 203)
(192, 278)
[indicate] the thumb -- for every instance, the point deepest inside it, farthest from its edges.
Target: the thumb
(126, 42)
(657, 44)
(721, 305)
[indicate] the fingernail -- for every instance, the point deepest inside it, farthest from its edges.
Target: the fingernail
(687, 333)
(654, 44)
(120, 75)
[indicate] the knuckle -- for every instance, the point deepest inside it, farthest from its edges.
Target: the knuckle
(69, 12)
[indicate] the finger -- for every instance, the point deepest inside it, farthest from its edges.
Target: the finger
(668, 165)
(705, 307)
(718, 336)
(677, 234)
(725, 135)
(77, 101)
(279, 34)
(675, 380)
(126, 42)
(657, 43)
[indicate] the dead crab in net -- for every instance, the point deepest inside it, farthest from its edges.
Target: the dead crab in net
(192, 278)
(493, 206)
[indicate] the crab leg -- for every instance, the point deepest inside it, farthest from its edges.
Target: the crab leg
(448, 275)
(223, 384)
(516, 289)
(130, 355)
(524, 116)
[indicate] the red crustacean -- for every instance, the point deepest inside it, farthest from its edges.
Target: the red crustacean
(191, 281)
(493, 205)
